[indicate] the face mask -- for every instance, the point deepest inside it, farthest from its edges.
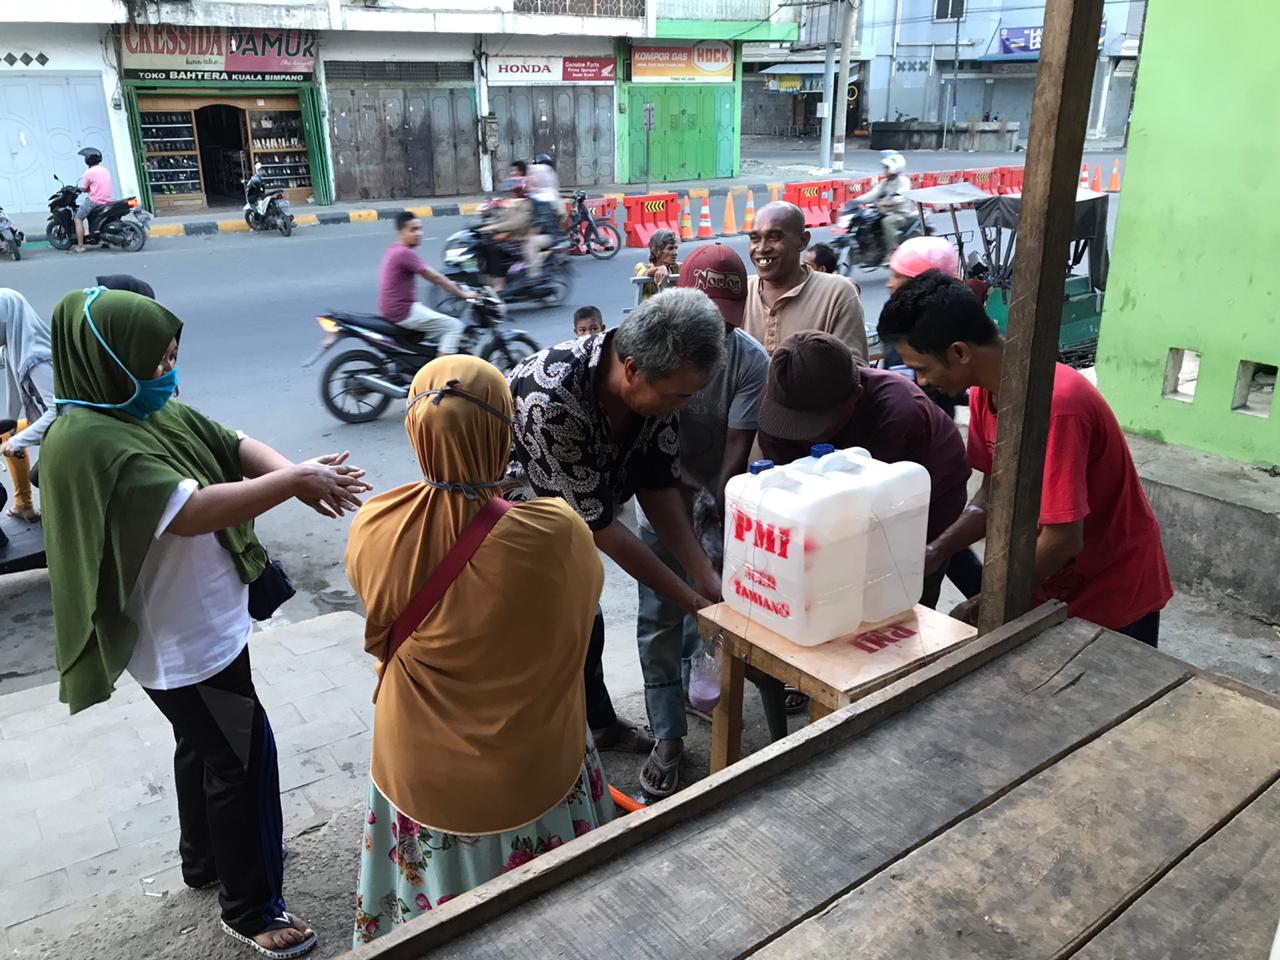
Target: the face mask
(148, 395)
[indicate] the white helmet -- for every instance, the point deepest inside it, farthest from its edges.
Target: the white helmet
(894, 162)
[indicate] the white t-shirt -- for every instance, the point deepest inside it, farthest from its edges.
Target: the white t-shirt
(190, 607)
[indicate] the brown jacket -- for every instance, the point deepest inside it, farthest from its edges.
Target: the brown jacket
(822, 301)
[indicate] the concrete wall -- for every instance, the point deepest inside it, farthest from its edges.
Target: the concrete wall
(1188, 273)
(78, 47)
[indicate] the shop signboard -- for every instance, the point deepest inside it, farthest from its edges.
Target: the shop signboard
(216, 53)
(516, 71)
(1028, 39)
(704, 61)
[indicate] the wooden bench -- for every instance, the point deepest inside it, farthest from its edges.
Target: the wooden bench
(1050, 789)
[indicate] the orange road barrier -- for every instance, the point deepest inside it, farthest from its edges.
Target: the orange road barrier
(1113, 185)
(623, 801)
(1084, 177)
(704, 220)
(773, 194)
(649, 213)
(813, 198)
(730, 226)
(686, 221)
(1096, 186)
(749, 215)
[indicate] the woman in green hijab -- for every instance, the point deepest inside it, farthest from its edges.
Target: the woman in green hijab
(149, 510)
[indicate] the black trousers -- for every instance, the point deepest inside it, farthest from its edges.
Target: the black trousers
(228, 794)
(599, 705)
(1145, 629)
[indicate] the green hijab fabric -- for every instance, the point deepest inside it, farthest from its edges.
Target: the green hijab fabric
(106, 478)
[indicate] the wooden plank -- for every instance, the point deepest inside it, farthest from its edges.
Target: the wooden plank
(743, 865)
(869, 657)
(1035, 874)
(1059, 111)
(1222, 901)
(726, 722)
(610, 842)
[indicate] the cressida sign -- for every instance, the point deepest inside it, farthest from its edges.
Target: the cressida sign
(216, 53)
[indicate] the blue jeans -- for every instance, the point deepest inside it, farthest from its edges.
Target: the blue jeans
(666, 638)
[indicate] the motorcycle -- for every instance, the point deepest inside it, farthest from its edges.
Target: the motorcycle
(10, 237)
(107, 224)
(464, 254)
(379, 359)
(587, 235)
(265, 209)
(862, 243)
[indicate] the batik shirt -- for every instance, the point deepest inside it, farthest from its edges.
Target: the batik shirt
(564, 446)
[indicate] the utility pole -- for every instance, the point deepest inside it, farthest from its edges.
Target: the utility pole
(829, 86)
(842, 86)
(955, 82)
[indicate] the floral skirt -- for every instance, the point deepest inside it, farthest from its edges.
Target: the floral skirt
(407, 869)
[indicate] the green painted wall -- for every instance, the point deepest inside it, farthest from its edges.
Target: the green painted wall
(697, 131)
(744, 30)
(1194, 266)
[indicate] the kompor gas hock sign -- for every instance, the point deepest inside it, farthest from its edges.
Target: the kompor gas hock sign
(706, 61)
(216, 53)
(516, 71)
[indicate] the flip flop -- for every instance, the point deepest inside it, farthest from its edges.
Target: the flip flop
(665, 767)
(626, 739)
(796, 701)
(284, 922)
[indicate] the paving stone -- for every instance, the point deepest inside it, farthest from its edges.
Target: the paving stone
(355, 696)
(145, 821)
(123, 867)
(35, 897)
(298, 812)
(298, 688)
(41, 746)
(30, 793)
(12, 704)
(340, 791)
(36, 856)
(339, 725)
(38, 718)
(298, 768)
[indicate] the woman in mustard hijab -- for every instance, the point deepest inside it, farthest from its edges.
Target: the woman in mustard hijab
(149, 510)
(482, 758)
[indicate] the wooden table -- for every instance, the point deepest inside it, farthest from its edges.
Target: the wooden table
(832, 675)
(1047, 790)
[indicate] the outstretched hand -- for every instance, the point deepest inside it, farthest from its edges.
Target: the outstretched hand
(330, 486)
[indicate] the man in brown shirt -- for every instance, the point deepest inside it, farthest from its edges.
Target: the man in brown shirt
(786, 296)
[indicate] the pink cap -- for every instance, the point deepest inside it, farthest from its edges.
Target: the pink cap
(919, 254)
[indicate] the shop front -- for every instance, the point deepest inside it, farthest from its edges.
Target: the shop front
(558, 105)
(695, 91)
(208, 104)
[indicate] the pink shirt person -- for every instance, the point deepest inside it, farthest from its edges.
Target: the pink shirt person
(97, 183)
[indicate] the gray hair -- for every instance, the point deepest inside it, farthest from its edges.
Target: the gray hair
(659, 240)
(671, 329)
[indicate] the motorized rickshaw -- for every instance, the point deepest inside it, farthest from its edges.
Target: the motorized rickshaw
(1085, 268)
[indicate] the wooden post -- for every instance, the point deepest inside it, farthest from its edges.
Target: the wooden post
(1059, 113)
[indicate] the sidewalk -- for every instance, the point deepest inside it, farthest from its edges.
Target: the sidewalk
(769, 163)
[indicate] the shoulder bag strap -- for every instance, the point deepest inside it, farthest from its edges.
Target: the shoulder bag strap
(442, 577)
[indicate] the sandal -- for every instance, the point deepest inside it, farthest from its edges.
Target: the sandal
(283, 922)
(665, 768)
(796, 702)
(624, 738)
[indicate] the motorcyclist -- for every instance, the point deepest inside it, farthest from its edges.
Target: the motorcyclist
(513, 224)
(95, 189)
(548, 205)
(254, 190)
(887, 195)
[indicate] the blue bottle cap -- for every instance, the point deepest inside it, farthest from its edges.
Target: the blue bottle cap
(760, 466)
(821, 450)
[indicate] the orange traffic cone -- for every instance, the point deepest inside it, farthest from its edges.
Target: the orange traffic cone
(704, 220)
(1096, 186)
(773, 194)
(1113, 185)
(1084, 176)
(730, 226)
(749, 215)
(686, 221)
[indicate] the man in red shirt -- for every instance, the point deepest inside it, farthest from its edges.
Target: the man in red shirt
(1099, 544)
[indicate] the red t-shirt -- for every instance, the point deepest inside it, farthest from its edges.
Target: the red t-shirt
(397, 287)
(1120, 575)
